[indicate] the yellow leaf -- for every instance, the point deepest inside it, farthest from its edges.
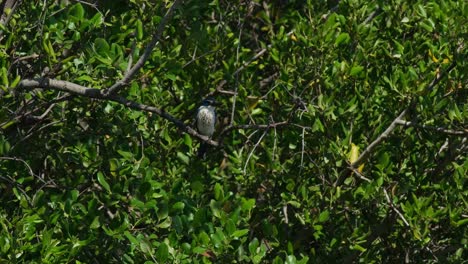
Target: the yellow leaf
(293, 38)
(434, 59)
(360, 168)
(354, 155)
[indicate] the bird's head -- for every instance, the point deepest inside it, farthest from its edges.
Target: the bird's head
(209, 101)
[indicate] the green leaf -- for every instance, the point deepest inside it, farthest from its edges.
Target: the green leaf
(240, 233)
(102, 180)
(77, 11)
(215, 208)
(342, 38)
(358, 247)
(248, 204)
(318, 126)
(356, 70)
(5, 81)
(218, 192)
(162, 254)
(127, 155)
(253, 245)
(198, 250)
(324, 216)
(187, 140)
(462, 222)
(139, 26)
(179, 206)
(101, 47)
(96, 223)
(96, 20)
(184, 158)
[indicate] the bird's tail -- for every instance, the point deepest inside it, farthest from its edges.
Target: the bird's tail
(202, 150)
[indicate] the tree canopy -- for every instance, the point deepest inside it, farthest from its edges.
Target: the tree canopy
(341, 132)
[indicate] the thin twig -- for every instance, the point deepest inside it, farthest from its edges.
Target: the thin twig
(373, 15)
(285, 213)
(359, 174)
(253, 126)
(253, 150)
(30, 133)
(25, 163)
(402, 217)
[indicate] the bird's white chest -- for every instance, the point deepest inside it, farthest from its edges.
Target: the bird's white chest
(206, 119)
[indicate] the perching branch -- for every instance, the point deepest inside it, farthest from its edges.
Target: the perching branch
(73, 88)
(46, 83)
(146, 54)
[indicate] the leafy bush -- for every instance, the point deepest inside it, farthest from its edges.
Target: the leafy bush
(341, 132)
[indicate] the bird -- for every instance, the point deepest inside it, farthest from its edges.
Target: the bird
(206, 121)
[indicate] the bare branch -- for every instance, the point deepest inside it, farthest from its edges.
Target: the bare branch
(146, 54)
(65, 86)
(405, 123)
(377, 141)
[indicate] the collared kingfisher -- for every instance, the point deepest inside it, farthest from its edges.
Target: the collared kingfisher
(206, 120)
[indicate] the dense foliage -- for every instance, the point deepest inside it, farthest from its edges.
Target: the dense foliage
(305, 87)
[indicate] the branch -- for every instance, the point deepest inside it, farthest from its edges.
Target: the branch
(405, 123)
(65, 86)
(377, 141)
(73, 88)
(141, 61)
(254, 127)
(391, 127)
(8, 5)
